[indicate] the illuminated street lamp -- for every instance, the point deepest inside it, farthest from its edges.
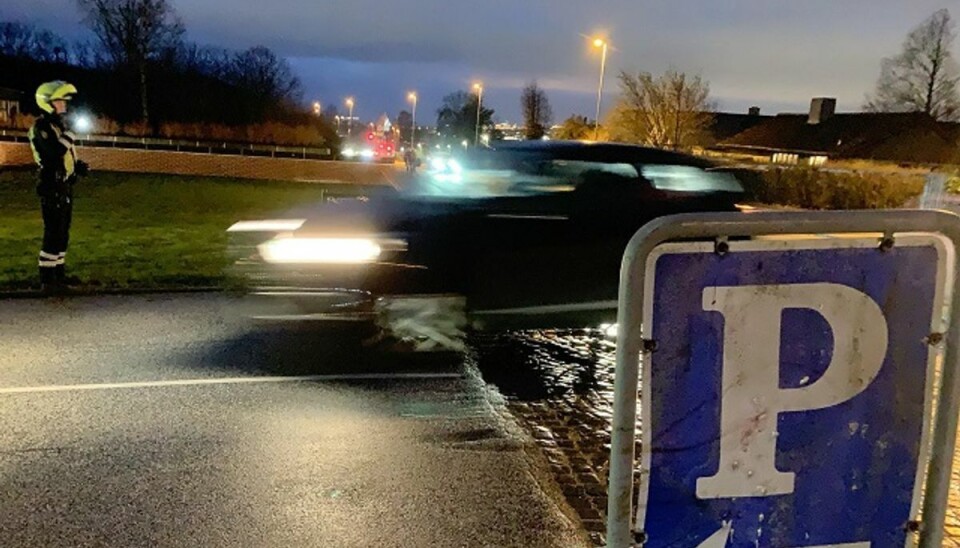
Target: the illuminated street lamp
(349, 102)
(317, 108)
(478, 87)
(602, 44)
(412, 96)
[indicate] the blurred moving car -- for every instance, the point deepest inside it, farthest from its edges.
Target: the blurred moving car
(522, 235)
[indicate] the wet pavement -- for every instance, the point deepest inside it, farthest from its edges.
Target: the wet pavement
(560, 384)
(164, 421)
(233, 438)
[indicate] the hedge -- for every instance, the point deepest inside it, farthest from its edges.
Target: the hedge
(811, 188)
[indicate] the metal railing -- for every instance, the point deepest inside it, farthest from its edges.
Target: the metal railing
(183, 145)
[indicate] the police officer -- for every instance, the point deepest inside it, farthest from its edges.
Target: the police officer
(53, 150)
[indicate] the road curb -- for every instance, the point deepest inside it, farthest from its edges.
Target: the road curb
(89, 292)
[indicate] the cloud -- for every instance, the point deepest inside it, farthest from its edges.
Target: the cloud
(753, 51)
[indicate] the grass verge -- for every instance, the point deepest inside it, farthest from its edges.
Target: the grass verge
(141, 231)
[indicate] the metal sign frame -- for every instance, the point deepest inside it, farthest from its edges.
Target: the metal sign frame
(632, 344)
(862, 242)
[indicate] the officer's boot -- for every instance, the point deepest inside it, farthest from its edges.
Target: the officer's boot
(49, 283)
(63, 279)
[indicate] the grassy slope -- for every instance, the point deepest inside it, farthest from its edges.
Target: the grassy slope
(132, 230)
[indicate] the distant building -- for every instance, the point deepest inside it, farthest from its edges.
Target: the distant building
(9, 105)
(822, 134)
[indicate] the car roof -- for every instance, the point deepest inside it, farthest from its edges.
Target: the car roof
(602, 152)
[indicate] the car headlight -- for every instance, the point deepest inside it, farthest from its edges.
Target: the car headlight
(286, 250)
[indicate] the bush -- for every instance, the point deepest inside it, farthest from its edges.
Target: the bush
(810, 188)
(953, 182)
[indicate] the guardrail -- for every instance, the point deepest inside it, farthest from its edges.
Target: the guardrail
(181, 145)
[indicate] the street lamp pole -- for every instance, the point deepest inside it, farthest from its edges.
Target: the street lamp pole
(413, 129)
(602, 44)
(479, 88)
(350, 121)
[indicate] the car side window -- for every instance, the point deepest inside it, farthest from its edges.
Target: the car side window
(555, 175)
(574, 171)
(686, 178)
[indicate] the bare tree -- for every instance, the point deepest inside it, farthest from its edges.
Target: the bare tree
(672, 110)
(537, 114)
(20, 40)
(86, 54)
(267, 76)
(924, 77)
(133, 33)
(16, 39)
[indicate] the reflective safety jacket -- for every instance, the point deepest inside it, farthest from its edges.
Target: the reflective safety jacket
(53, 150)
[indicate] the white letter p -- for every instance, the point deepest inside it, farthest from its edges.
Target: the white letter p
(751, 397)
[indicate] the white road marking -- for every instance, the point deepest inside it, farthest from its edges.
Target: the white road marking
(229, 380)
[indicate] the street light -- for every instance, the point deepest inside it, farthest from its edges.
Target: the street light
(350, 109)
(602, 44)
(479, 89)
(412, 96)
(317, 108)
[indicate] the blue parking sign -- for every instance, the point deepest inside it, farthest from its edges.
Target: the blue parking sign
(788, 402)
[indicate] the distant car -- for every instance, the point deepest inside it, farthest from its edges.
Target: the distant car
(525, 235)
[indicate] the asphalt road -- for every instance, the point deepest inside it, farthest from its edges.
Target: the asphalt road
(169, 421)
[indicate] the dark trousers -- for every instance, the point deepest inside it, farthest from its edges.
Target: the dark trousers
(57, 215)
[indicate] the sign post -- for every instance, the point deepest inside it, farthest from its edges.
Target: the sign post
(788, 383)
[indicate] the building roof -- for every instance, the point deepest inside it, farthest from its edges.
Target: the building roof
(901, 137)
(725, 125)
